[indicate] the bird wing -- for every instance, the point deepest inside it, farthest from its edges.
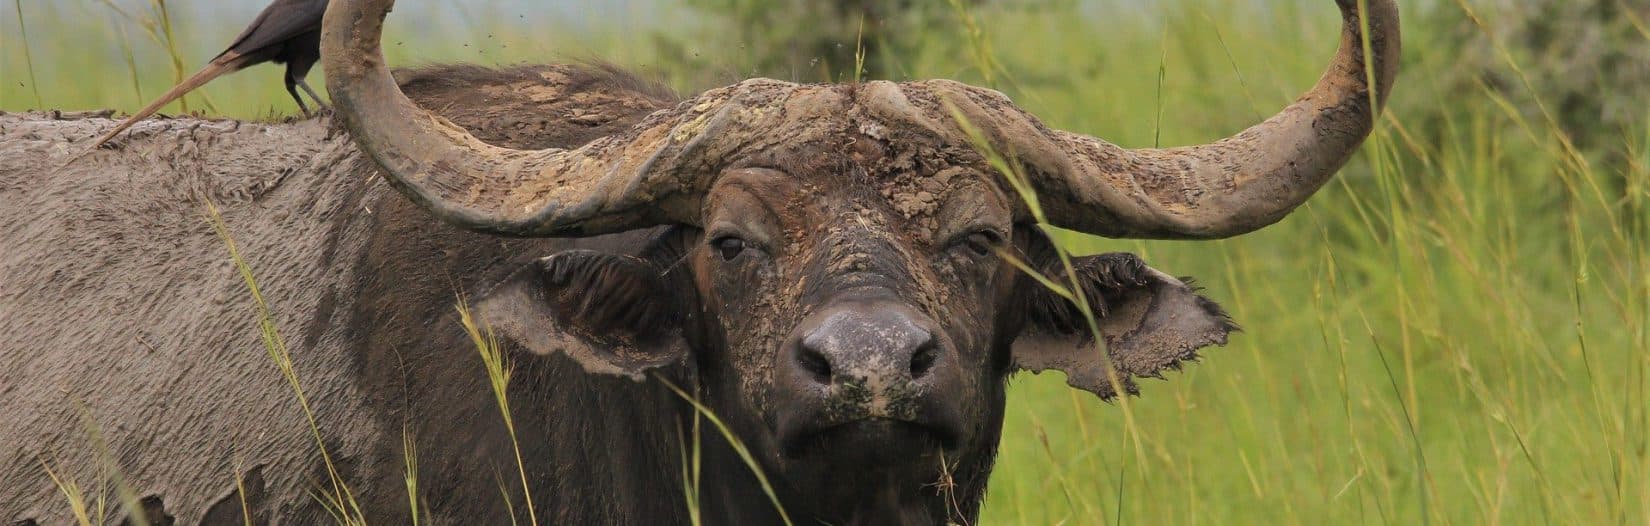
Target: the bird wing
(276, 24)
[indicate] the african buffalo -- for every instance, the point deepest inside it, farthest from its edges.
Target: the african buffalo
(829, 268)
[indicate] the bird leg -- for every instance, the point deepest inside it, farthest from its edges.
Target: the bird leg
(312, 95)
(291, 88)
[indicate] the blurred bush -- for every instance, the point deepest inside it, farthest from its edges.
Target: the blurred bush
(1572, 77)
(807, 40)
(1587, 62)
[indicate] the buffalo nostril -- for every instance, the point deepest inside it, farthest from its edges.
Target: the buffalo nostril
(923, 360)
(815, 364)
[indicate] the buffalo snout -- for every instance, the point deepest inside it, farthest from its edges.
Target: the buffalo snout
(868, 375)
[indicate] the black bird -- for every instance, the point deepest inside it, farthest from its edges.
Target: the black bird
(287, 32)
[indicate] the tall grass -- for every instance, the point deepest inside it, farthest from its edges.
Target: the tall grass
(745, 456)
(83, 512)
(499, 373)
(1426, 340)
(409, 459)
(337, 496)
(88, 510)
(240, 495)
(1455, 331)
(28, 56)
(107, 466)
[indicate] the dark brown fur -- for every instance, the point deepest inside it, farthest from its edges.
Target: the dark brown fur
(535, 106)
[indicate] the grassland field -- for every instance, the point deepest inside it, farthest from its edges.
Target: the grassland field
(1455, 331)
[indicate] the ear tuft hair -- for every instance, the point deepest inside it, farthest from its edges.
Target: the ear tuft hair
(605, 294)
(1103, 279)
(614, 314)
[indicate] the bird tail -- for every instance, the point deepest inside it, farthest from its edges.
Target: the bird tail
(215, 69)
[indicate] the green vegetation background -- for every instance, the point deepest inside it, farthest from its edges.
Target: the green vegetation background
(1455, 331)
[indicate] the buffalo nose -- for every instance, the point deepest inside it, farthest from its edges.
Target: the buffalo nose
(880, 348)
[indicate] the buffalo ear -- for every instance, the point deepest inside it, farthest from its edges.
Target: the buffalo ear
(613, 314)
(1150, 321)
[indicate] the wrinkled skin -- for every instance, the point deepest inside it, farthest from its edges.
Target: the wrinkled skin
(834, 238)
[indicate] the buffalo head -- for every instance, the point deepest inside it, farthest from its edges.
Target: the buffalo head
(845, 269)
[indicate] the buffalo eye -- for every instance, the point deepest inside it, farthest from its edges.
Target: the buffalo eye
(729, 247)
(980, 243)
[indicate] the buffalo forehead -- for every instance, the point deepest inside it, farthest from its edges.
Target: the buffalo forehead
(858, 144)
(872, 132)
(806, 197)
